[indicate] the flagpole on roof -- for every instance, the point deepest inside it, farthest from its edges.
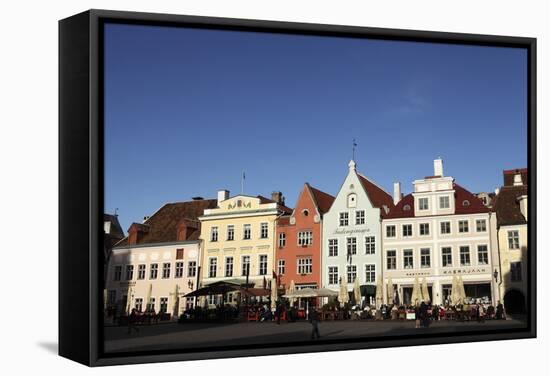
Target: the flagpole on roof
(242, 183)
(353, 150)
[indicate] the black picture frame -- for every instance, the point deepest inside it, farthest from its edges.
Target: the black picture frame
(81, 183)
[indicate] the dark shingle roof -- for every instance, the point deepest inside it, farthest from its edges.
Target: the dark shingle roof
(162, 226)
(506, 205)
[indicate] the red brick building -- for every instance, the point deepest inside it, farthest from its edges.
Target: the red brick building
(298, 241)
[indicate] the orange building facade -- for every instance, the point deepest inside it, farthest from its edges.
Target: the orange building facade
(298, 240)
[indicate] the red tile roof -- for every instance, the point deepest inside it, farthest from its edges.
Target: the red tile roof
(377, 195)
(474, 204)
(162, 225)
(322, 200)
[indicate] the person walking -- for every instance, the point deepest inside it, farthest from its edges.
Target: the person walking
(132, 321)
(500, 311)
(314, 320)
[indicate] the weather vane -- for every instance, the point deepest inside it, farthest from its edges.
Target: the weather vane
(353, 148)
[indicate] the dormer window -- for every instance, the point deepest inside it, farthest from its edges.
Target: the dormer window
(352, 200)
(406, 207)
(465, 203)
(305, 212)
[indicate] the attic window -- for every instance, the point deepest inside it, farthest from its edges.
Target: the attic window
(351, 186)
(305, 212)
(407, 207)
(465, 203)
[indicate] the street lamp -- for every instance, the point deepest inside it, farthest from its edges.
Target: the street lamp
(495, 274)
(190, 284)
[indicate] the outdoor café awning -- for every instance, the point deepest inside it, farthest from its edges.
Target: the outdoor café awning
(223, 287)
(215, 288)
(311, 293)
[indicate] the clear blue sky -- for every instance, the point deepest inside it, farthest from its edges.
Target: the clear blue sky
(186, 111)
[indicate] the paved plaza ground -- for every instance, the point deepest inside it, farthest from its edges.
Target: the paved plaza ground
(172, 336)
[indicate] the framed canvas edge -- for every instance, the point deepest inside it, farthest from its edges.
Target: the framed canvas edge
(96, 17)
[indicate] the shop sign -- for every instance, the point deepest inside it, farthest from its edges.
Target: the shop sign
(466, 271)
(343, 231)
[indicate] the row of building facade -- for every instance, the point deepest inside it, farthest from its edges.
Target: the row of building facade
(438, 231)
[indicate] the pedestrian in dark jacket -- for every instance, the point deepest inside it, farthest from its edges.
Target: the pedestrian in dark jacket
(314, 320)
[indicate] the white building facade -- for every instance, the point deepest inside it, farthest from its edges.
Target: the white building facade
(351, 235)
(437, 232)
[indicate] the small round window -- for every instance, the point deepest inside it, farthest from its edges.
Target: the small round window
(305, 212)
(407, 207)
(465, 203)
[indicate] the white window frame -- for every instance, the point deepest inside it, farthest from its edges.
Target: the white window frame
(333, 248)
(212, 267)
(229, 266)
(333, 275)
(393, 258)
(262, 264)
(441, 224)
(425, 225)
(370, 245)
(247, 231)
(443, 199)
(484, 252)
(392, 233)
(304, 265)
(410, 226)
(351, 245)
(422, 200)
(444, 255)
(214, 234)
(483, 223)
(351, 270)
(513, 239)
(461, 229)
(359, 217)
(282, 240)
(281, 266)
(406, 257)
(343, 219)
(423, 257)
(460, 254)
(370, 273)
(178, 273)
(154, 271)
(305, 238)
(245, 265)
(264, 230)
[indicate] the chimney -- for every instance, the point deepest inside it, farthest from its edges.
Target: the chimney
(397, 196)
(522, 200)
(517, 179)
(438, 167)
(278, 197)
(223, 195)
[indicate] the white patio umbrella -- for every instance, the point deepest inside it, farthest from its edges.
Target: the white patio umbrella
(461, 289)
(425, 291)
(454, 291)
(129, 300)
(390, 291)
(291, 290)
(176, 301)
(357, 292)
(273, 293)
(379, 292)
(148, 299)
(343, 296)
(416, 296)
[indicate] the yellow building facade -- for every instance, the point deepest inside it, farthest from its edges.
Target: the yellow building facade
(238, 238)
